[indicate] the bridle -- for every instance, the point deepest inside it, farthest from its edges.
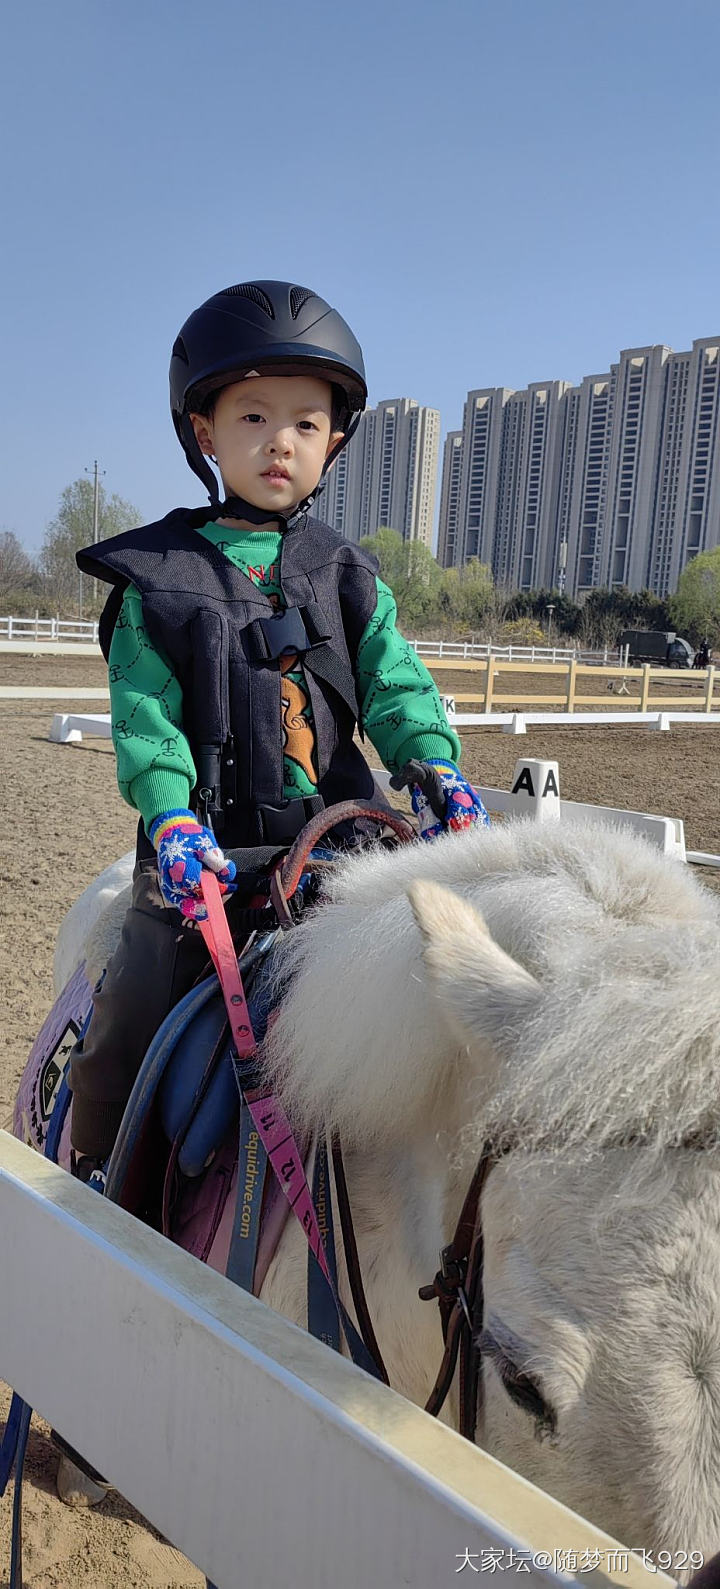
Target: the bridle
(458, 1287)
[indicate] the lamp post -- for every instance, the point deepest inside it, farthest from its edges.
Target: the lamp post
(549, 610)
(96, 499)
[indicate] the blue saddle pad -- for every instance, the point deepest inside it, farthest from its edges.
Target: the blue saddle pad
(198, 1095)
(198, 1092)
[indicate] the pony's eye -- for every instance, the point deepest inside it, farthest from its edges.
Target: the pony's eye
(520, 1386)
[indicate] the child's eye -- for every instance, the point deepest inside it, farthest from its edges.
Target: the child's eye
(253, 417)
(307, 422)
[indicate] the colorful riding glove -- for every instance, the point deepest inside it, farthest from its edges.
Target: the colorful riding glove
(184, 847)
(443, 801)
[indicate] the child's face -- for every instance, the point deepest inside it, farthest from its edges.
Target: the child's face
(270, 435)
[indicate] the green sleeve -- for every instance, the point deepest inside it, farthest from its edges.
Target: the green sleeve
(400, 708)
(155, 770)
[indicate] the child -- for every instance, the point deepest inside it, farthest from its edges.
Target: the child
(245, 642)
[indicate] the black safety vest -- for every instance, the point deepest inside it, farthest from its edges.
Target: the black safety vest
(224, 640)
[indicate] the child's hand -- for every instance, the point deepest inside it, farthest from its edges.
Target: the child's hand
(443, 801)
(184, 847)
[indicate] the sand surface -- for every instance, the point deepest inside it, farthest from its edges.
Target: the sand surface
(64, 821)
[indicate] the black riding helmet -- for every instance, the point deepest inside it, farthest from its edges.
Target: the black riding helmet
(274, 328)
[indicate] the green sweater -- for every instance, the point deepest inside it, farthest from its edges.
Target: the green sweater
(400, 709)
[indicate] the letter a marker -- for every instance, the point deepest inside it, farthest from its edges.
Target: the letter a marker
(536, 790)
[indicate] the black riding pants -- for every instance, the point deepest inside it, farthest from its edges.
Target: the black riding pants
(157, 961)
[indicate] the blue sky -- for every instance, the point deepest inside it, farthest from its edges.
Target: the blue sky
(491, 193)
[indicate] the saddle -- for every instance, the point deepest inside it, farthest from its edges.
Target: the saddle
(186, 1147)
(193, 1088)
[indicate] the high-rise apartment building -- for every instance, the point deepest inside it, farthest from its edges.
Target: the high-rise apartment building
(482, 435)
(584, 463)
(614, 482)
(632, 466)
(386, 476)
(526, 510)
(687, 500)
(450, 497)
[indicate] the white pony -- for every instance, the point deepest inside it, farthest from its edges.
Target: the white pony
(554, 989)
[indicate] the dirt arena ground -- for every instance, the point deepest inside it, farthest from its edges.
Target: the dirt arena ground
(64, 821)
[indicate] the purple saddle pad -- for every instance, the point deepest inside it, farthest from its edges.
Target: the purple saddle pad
(47, 1066)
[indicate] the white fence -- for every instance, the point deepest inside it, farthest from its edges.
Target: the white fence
(265, 1457)
(48, 629)
(466, 651)
(69, 629)
(519, 722)
(70, 726)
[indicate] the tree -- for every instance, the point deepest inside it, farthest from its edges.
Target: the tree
(20, 584)
(410, 570)
(695, 607)
(466, 596)
(649, 611)
(387, 547)
(72, 528)
(605, 614)
(566, 614)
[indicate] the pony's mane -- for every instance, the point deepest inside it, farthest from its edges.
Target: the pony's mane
(624, 1041)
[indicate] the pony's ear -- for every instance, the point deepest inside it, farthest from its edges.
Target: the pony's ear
(481, 987)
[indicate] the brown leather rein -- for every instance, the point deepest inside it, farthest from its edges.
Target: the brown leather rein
(285, 878)
(458, 1287)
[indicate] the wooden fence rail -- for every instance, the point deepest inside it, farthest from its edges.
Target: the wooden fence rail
(571, 698)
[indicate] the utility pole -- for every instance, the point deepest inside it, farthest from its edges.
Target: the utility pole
(96, 503)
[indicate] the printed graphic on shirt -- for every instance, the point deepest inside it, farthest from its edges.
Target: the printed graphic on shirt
(298, 736)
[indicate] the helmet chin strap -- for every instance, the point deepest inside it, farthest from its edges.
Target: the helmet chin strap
(239, 508)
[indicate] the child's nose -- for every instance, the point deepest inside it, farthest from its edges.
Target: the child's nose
(282, 441)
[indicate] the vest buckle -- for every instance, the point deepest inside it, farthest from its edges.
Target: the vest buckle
(281, 824)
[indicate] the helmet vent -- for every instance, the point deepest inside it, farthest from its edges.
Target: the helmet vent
(247, 289)
(299, 296)
(179, 350)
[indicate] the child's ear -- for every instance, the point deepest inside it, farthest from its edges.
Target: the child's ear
(335, 437)
(203, 434)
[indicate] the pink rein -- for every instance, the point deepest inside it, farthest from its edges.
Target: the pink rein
(268, 1115)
